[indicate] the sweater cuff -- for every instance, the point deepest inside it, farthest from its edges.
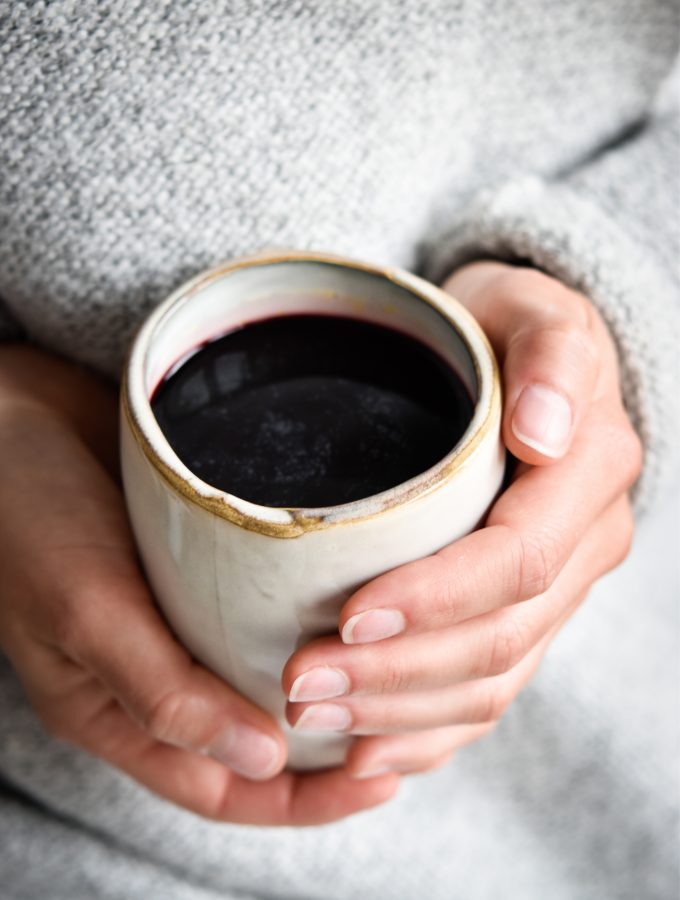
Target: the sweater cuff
(554, 228)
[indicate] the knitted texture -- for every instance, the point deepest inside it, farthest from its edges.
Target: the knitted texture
(141, 142)
(144, 142)
(574, 797)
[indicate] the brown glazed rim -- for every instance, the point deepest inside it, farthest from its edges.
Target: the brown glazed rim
(302, 521)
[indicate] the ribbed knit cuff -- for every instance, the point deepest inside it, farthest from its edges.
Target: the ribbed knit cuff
(564, 234)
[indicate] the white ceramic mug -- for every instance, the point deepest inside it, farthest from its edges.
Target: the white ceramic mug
(243, 585)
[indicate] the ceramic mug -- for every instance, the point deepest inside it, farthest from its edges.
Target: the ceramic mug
(242, 585)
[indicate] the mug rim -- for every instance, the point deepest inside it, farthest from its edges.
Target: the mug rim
(294, 521)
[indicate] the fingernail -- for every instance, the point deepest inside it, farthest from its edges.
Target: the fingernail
(324, 717)
(374, 625)
(321, 683)
(246, 750)
(542, 420)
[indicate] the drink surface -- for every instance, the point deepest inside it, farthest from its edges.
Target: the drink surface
(311, 410)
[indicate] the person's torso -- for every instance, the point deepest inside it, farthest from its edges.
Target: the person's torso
(140, 143)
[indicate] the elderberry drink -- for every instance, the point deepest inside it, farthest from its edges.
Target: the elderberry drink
(311, 410)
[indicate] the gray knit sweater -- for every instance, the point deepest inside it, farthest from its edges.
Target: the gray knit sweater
(143, 141)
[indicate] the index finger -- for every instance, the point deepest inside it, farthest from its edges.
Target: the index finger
(531, 532)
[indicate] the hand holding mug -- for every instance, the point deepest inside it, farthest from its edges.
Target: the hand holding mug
(78, 622)
(102, 670)
(431, 654)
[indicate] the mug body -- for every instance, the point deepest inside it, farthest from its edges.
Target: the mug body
(242, 585)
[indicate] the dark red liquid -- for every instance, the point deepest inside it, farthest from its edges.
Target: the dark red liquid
(305, 411)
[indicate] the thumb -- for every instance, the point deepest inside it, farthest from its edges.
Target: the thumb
(174, 699)
(541, 332)
(179, 702)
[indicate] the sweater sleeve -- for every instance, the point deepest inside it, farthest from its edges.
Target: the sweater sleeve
(610, 229)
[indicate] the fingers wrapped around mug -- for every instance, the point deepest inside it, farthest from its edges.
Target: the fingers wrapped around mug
(462, 675)
(440, 647)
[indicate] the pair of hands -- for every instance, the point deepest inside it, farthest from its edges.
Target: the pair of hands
(428, 656)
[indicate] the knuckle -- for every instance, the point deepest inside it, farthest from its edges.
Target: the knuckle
(508, 644)
(539, 562)
(573, 310)
(581, 341)
(492, 704)
(168, 719)
(394, 679)
(442, 591)
(75, 629)
(567, 343)
(530, 561)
